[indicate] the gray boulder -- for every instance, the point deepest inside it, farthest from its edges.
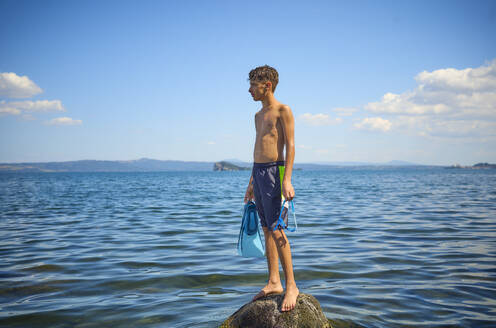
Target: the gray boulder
(265, 313)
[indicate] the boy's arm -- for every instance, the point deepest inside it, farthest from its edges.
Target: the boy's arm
(249, 191)
(288, 127)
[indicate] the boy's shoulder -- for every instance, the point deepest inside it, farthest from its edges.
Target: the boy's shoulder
(278, 110)
(284, 109)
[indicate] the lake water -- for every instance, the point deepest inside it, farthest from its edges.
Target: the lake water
(392, 247)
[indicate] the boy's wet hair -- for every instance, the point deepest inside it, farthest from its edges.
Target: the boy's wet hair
(263, 74)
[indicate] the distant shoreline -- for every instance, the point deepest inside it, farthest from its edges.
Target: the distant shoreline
(478, 166)
(152, 165)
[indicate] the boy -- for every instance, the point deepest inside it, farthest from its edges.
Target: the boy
(274, 125)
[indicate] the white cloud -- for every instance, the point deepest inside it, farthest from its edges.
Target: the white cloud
(211, 143)
(345, 111)
(64, 121)
(467, 92)
(404, 104)
(480, 79)
(373, 124)
(15, 86)
(16, 107)
(39, 105)
(6, 109)
(319, 119)
(446, 102)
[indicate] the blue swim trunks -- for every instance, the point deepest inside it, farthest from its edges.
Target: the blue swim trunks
(267, 189)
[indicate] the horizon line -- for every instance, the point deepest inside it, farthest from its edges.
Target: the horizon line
(323, 163)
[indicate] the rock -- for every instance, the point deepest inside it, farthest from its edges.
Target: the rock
(264, 313)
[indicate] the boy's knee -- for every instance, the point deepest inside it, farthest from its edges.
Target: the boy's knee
(277, 234)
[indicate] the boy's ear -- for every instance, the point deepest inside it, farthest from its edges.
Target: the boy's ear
(268, 84)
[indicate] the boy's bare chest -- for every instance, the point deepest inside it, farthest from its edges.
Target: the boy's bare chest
(266, 122)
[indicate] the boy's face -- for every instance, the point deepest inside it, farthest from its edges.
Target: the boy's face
(258, 89)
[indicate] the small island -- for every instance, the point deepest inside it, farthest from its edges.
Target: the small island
(226, 166)
(477, 166)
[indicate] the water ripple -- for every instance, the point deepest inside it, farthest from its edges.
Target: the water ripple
(377, 247)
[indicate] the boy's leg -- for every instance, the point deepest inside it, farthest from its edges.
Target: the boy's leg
(267, 191)
(284, 252)
(274, 285)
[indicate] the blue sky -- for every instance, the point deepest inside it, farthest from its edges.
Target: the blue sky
(369, 81)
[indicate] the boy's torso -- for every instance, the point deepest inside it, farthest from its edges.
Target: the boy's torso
(269, 141)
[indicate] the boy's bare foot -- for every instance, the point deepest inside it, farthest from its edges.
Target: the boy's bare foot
(289, 301)
(269, 289)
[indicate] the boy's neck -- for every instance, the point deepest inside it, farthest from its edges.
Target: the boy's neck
(268, 100)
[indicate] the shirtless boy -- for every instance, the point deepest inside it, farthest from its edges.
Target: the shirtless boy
(274, 125)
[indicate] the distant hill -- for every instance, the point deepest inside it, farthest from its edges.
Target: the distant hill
(140, 165)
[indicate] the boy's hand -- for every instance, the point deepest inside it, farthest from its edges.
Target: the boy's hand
(249, 193)
(288, 190)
